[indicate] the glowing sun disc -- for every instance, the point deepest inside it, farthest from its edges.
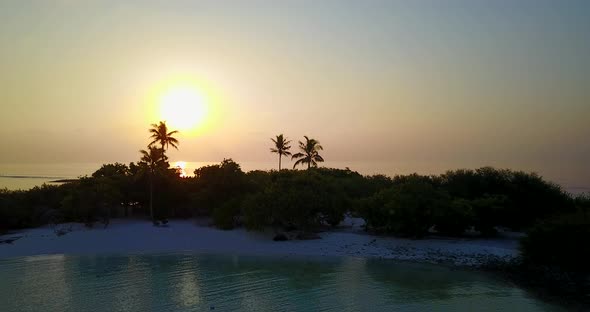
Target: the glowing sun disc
(181, 167)
(183, 108)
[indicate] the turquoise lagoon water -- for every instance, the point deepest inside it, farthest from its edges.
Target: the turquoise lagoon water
(187, 282)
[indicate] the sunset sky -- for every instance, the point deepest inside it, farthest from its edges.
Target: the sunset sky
(438, 84)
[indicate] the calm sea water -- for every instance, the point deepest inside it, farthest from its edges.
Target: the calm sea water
(186, 282)
(26, 176)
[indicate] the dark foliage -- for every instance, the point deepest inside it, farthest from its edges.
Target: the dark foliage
(561, 243)
(216, 185)
(408, 205)
(408, 208)
(453, 217)
(37, 206)
(515, 199)
(555, 257)
(295, 199)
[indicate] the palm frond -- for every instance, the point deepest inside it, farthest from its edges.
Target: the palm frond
(297, 155)
(300, 161)
(160, 134)
(318, 158)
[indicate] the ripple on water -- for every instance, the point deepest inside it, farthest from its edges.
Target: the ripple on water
(185, 282)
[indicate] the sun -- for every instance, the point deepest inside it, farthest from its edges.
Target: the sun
(181, 167)
(188, 103)
(183, 107)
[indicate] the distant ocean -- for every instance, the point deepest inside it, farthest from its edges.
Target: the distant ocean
(25, 176)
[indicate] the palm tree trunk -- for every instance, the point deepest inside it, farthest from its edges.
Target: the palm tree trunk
(279, 162)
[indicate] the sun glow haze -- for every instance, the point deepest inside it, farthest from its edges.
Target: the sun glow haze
(183, 107)
(188, 103)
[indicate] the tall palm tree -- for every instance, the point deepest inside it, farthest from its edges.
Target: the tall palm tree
(310, 153)
(160, 134)
(281, 147)
(155, 161)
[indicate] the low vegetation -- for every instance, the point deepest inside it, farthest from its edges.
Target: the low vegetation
(409, 205)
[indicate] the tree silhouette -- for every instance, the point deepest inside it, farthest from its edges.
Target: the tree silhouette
(310, 154)
(281, 147)
(161, 135)
(155, 161)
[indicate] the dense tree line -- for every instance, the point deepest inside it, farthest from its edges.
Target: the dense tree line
(453, 202)
(407, 205)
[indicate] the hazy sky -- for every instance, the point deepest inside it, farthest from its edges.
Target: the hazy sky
(435, 84)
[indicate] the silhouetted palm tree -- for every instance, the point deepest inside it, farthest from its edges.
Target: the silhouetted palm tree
(281, 147)
(310, 155)
(154, 160)
(161, 135)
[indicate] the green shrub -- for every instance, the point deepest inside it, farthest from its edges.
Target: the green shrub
(520, 198)
(12, 212)
(257, 211)
(582, 202)
(225, 216)
(534, 199)
(297, 199)
(487, 213)
(214, 185)
(406, 209)
(453, 218)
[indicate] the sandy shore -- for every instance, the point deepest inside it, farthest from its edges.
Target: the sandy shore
(139, 236)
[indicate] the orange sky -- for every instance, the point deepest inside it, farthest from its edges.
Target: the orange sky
(465, 84)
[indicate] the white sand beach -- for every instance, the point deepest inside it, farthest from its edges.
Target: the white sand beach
(140, 236)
